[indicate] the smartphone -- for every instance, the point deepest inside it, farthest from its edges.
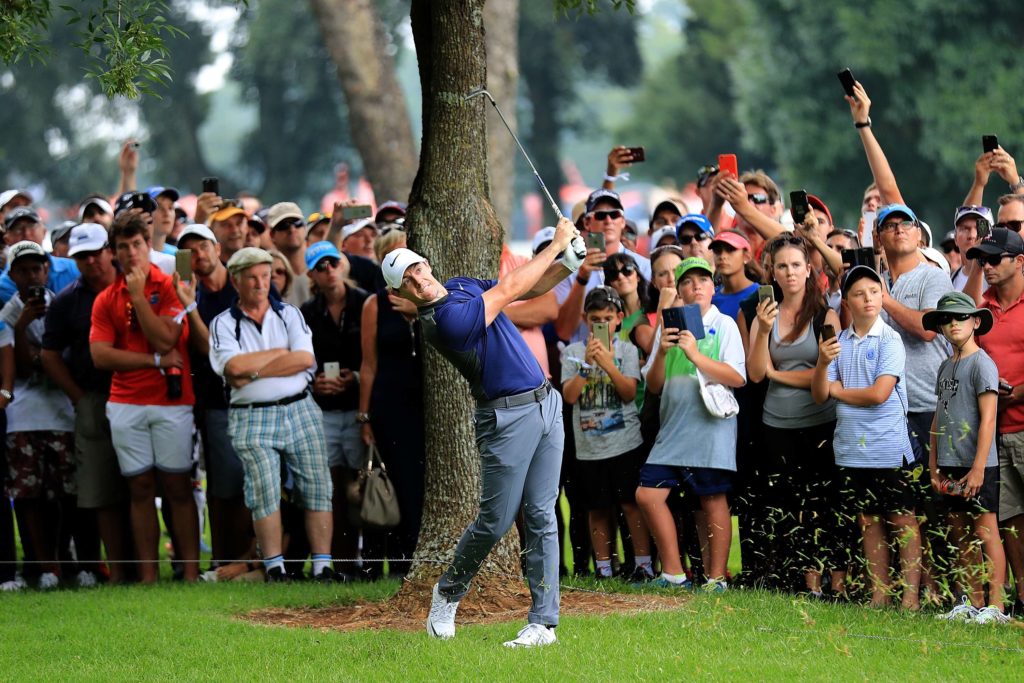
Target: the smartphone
(352, 213)
(728, 163)
(827, 332)
(765, 292)
(846, 78)
(332, 370)
(989, 143)
(595, 240)
(602, 335)
(984, 228)
(1005, 387)
(693, 320)
(35, 292)
(183, 264)
(211, 184)
(142, 200)
(637, 153)
(867, 235)
(798, 206)
(865, 256)
(673, 318)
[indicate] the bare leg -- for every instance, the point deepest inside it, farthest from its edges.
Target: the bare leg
(637, 529)
(145, 529)
(986, 528)
(701, 521)
(111, 525)
(32, 513)
(876, 553)
(600, 533)
(268, 534)
(185, 520)
(319, 528)
(659, 518)
(1012, 529)
(719, 531)
(909, 540)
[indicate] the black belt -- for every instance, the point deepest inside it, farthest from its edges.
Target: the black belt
(273, 404)
(515, 400)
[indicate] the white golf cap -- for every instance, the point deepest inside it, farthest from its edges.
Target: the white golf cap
(661, 233)
(196, 230)
(101, 204)
(7, 195)
(87, 237)
(936, 257)
(543, 236)
(395, 264)
(26, 248)
(353, 228)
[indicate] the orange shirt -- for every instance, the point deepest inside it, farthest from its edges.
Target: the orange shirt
(114, 320)
(1005, 344)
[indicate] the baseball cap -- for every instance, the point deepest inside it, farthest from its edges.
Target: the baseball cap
(353, 228)
(97, 202)
(283, 210)
(976, 211)
(7, 195)
(61, 231)
(698, 219)
(318, 251)
(662, 233)
(21, 213)
(733, 238)
(936, 257)
(248, 257)
(692, 263)
(1001, 241)
(578, 209)
(816, 203)
(197, 231)
(926, 233)
(227, 212)
(889, 209)
(603, 195)
(859, 273)
(396, 263)
(390, 206)
(158, 190)
(27, 248)
(630, 229)
(957, 303)
(950, 238)
(317, 217)
(125, 201)
(87, 237)
(666, 205)
(541, 239)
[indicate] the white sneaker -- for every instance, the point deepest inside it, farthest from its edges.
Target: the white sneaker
(86, 579)
(991, 615)
(47, 581)
(533, 635)
(441, 620)
(11, 586)
(965, 612)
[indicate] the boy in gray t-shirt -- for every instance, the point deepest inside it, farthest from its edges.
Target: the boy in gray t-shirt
(963, 446)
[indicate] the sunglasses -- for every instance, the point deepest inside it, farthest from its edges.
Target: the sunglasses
(705, 174)
(906, 224)
(611, 215)
(992, 259)
(391, 227)
(946, 318)
(327, 263)
(288, 225)
(758, 198)
(688, 239)
(1010, 225)
(612, 274)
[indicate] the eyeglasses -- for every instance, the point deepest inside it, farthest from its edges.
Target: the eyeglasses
(758, 198)
(705, 174)
(1010, 225)
(687, 239)
(612, 274)
(992, 259)
(906, 224)
(326, 263)
(946, 318)
(611, 215)
(288, 225)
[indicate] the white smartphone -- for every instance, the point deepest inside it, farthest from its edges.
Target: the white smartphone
(332, 370)
(867, 238)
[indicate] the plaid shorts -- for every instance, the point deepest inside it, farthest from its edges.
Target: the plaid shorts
(40, 464)
(262, 435)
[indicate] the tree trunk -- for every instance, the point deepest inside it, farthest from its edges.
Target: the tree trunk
(501, 21)
(377, 112)
(451, 223)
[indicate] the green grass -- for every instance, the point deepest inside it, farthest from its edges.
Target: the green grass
(178, 632)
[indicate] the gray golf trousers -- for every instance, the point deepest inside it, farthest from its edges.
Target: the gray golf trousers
(520, 459)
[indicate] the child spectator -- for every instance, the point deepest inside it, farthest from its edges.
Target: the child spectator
(694, 449)
(963, 445)
(601, 384)
(863, 370)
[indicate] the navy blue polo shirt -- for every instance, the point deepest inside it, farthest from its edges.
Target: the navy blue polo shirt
(493, 358)
(68, 320)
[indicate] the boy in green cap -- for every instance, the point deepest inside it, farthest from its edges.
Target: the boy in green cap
(963, 446)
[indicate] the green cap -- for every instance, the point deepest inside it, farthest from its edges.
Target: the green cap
(691, 263)
(957, 303)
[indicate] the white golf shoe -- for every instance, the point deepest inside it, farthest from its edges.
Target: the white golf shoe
(533, 635)
(441, 620)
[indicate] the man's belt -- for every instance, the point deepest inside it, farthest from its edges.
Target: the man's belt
(515, 400)
(273, 404)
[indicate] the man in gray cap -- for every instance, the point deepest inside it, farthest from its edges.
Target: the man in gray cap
(264, 350)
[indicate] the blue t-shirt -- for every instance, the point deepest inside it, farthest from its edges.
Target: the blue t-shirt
(493, 358)
(729, 304)
(63, 271)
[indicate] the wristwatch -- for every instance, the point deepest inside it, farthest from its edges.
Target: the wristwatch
(862, 124)
(362, 418)
(1018, 185)
(6, 394)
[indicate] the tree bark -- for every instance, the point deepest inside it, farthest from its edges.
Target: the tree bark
(501, 22)
(452, 223)
(377, 112)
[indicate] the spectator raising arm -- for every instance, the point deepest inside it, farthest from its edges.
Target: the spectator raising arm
(128, 163)
(618, 157)
(860, 106)
(732, 190)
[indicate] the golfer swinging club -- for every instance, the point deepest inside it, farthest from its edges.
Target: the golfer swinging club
(518, 421)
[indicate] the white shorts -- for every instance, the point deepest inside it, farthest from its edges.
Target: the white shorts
(145, 437)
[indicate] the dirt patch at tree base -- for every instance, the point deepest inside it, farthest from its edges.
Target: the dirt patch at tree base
(484, 604)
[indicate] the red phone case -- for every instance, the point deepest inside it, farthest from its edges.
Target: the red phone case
(727, 162)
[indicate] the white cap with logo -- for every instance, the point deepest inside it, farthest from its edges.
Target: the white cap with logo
(395, 263)
(87, 237)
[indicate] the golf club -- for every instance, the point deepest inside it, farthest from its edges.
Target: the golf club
(577, 242)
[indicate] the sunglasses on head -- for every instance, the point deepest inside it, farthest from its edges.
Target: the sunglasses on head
(688, 239)
(758, 198)
(992, 259)
(611, 273)
(705, 174)
(326, 263)
(609, 215)
(947, 318)
(1010, 225)
(391, 227)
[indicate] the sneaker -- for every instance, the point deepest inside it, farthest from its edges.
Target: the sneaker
(328, 575)
(441, 620)
(533, 635)
(990, 615)
(11, 586)
(277, 575)
(641, 575)
(715, 586)
(662, 582)
(47, 581)
(965, 612)
(86, 579)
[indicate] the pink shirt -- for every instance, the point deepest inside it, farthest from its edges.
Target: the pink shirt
(533, 337)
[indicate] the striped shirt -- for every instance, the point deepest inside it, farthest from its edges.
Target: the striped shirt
(871, 436)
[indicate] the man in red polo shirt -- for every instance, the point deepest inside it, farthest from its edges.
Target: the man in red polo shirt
(1001, 256)
(138, 332)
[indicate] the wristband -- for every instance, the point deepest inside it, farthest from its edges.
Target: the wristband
(862, 124)
(188, 309)
(156, 360)
(581, 282)
(612, 178)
